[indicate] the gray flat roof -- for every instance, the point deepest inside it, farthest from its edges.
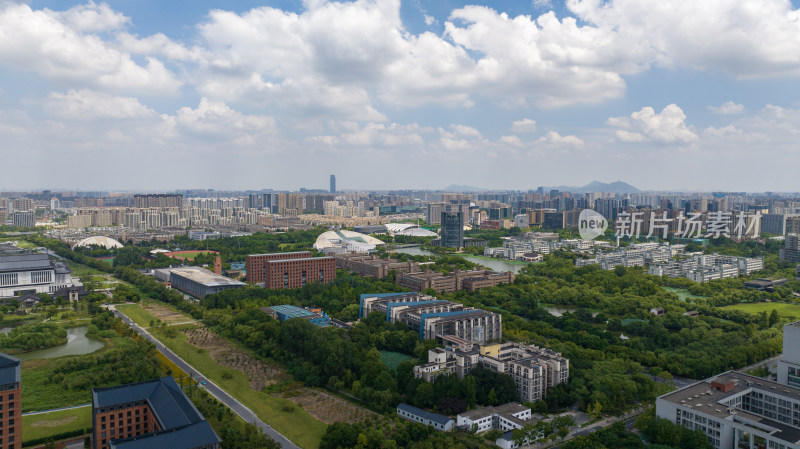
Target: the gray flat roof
(205, 277)
(702, 398)
(188, 437)
(23, 262)
(435, 417)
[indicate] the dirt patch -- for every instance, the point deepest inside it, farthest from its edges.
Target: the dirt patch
(328, 408)
(55, 422)
(260, 373)
(165, 314)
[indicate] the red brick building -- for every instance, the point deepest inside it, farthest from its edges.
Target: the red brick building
(10, 403)
(256, 264)
(293, 273)
(152, 414)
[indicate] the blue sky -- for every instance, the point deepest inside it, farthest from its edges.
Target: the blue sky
(153, 95)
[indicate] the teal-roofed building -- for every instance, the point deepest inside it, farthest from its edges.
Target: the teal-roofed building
(285, 312)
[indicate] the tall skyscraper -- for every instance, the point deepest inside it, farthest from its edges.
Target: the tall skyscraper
(453, 229)
(333, 183)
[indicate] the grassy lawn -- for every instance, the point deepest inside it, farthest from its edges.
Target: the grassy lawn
(80, 270)
(683, 294)
(393, 359)
(784, 310)
(137, 314)
(38, 394)
(45, 425)
(297, 425)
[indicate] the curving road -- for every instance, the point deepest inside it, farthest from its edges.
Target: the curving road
(210, 386)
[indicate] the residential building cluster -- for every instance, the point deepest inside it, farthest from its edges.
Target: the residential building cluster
(533, 369)
(708, 267)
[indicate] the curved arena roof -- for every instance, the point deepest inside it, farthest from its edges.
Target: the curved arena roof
(106, 242)
(409, 229)
(352, 241)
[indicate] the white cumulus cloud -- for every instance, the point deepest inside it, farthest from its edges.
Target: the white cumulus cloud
(668, 126)
(85, 104)
(60, 45)
(525, 125)
(727, 108)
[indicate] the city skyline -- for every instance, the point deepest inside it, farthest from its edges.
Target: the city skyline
(389, 95)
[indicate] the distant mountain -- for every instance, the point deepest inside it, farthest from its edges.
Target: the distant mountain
(458, 189)
(597, 186)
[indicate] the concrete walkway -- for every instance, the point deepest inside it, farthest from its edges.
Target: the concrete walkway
(57, 409)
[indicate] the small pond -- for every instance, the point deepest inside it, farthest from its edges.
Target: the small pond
(77, 344)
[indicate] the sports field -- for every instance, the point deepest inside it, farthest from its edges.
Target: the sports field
(187, 255)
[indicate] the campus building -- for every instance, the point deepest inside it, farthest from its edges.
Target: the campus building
(373, 265)
(33, 273)
(285, 312)
(295, 273)
(196, 281)
(459, 280)
(435, 420)
(11, 402)
(148, 415)
(737, 410)
(504, 417)
(533, 369)
(434, 318)
(256, 264)
(789, 365)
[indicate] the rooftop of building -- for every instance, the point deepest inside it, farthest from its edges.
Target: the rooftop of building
(8, 369)
(292, 311)
(280, 254)
(187, 437)
(167, 401)
(704, 398)
(434, 417)
(300, 259)
(205, 277)
(24, 262)
(507, 411)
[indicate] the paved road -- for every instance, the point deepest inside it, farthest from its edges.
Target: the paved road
(211, 387)
(57, 409)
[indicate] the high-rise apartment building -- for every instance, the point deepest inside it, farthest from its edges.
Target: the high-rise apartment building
(22, 204)
(333, 183)
(452, 229)
(793, 225)
(434, 215)
(157, 200)
(23, 219)
(11, 401)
